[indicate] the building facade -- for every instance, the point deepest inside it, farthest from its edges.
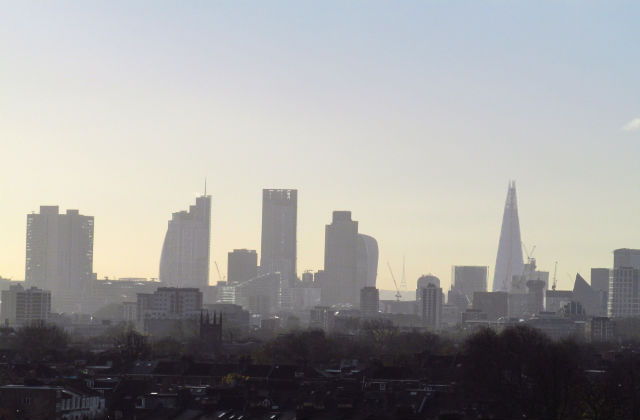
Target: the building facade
(624, 285)
(431, 307)
(168, 303)
(187, 246)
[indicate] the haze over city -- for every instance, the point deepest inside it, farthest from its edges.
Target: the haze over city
(121, 110)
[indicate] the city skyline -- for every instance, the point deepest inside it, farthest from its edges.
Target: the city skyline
(121, 111)
(383, 282)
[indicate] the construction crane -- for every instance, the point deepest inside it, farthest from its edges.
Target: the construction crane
(529, 253)
(398, 295)
(220, 278)
(555, 281)
(403, 280)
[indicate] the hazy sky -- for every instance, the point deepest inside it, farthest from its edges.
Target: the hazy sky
(413, 115)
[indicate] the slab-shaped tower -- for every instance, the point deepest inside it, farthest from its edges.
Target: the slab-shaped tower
(509, 261)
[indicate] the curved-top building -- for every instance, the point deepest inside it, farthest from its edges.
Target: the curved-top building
(185, 253)
(367, 261)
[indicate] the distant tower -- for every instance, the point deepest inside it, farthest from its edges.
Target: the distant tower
(60, 254)
(367, 261)
(185, 253)
(279, 238)
(509, 261)
(340, 285)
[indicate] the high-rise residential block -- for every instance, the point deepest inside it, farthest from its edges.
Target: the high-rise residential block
(59, 252)
(431, 307)
(278, 250)
(187, 246)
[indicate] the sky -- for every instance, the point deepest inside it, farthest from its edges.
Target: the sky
(413, 115)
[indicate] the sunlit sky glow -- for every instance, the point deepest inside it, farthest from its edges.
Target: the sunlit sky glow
(413, 115)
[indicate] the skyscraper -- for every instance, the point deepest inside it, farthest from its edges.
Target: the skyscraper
(59, 252)
(279, 238)
(187, 245)
(624, 286)
(350, 261)
(339, 284)
(509, 260)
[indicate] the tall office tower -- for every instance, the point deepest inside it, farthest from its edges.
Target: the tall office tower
(59, 251)
(187, 245)
(22, 307)
(339, 284)
(367, 261)
(468, 279)
(242, 265)
(509, 261)
(431, 306)
(624, 287)
(279, 238)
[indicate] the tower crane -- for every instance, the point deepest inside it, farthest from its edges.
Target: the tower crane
(398, 295)
(220, 278)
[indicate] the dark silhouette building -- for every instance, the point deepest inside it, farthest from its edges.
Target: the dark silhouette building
(369, 300)
(242, 265)
(210, 329)
(494, 304)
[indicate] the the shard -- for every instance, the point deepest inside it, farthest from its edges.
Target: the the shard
(509, 261)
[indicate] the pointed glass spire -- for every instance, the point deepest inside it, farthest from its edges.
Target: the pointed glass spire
(509, 261)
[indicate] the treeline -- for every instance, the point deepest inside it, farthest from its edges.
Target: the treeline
(518, 372)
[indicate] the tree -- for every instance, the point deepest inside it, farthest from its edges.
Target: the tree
(39, 341)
